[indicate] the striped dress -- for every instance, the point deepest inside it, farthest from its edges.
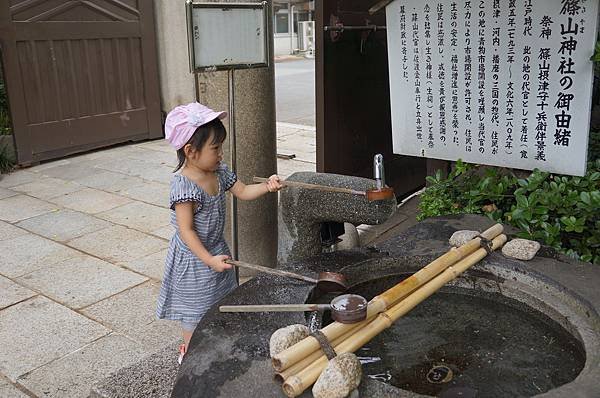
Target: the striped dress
(189, 286)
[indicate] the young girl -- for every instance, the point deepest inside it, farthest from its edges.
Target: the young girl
(196, 275)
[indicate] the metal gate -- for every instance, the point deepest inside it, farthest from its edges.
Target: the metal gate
(80, 74)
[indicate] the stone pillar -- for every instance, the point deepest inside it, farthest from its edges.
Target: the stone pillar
(255, 129)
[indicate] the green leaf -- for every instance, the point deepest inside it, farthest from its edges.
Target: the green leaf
(522, 201)
(585, 198)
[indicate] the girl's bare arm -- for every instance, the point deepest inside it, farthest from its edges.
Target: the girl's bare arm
(253, 191)
(185, 220)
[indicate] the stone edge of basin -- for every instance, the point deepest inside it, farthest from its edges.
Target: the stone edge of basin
(150, 377)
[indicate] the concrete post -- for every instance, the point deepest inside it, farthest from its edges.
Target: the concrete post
(254, 94)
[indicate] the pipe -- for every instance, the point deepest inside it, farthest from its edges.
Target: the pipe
(292, 29)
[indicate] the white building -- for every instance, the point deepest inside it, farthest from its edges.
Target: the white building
(287, 15)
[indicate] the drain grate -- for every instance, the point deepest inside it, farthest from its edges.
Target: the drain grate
(439, 374)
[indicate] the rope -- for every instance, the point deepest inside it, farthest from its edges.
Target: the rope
(325, 346)
(486, 244)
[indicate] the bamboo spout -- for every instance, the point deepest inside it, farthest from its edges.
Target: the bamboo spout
(380, 303)
(299, 382)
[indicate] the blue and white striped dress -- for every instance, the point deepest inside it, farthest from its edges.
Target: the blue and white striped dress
(189, 286)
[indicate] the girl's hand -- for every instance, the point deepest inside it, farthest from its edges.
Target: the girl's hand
(274, 183)
(218, 264)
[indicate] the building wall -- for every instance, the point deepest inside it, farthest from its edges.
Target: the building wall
(176, 81)
(282, 44)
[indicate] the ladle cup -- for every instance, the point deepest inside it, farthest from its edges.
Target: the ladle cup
(347, 308)
(327, 282)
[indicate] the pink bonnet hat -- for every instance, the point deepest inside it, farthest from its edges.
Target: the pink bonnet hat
(183, 120)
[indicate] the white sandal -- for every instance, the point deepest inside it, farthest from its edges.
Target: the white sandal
(182, 351)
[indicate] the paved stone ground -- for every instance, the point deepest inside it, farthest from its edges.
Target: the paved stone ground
(82, 245)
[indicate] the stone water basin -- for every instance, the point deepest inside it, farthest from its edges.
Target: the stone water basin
(504, 328)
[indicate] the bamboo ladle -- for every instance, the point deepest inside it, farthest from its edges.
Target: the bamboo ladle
(371, 194)
(326, 282)
(347, 308)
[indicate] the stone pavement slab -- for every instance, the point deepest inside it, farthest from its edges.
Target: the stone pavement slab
(27, 253)
(132, 313)
(156, 145)
(38, 331)
(5, 193)
(20, 207)
(8, 231)
(11, 293)
(73, 374)
(139, 168)
(81, 281)
(118, 244)
(299, 140)
(165, 232)
(91, 201)
(8, 390)
(14, 179)
(166, 157)
(72, 169)
(155, 193)
(137, 215)
(152, 265)
(157, 334)
(47, 188)
(109, 181)
(63, 225)
(127, 310)
(285, 168)
(48, 165)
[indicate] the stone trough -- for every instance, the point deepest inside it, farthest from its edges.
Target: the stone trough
(504, 328)
(555, 299)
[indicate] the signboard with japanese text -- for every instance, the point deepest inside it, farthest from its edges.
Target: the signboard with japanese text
(227, 35)
(497, 82)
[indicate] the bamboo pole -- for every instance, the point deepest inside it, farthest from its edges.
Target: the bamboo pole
(296, 384)
(380, 303)
(298, 366)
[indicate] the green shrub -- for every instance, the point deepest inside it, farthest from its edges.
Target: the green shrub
(5, 126)
(6, 160)
(594, 146)
(559, 211)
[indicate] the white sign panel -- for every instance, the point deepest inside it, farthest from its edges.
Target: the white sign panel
(227, 35)
(498, 82)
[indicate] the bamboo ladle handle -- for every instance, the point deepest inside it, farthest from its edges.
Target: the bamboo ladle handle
(313, 186)
(273, 271)
(274, 307)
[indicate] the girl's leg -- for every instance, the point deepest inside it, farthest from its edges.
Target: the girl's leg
(187, 336)
(187, 329)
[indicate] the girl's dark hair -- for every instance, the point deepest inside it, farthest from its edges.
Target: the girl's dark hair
(200, 137)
